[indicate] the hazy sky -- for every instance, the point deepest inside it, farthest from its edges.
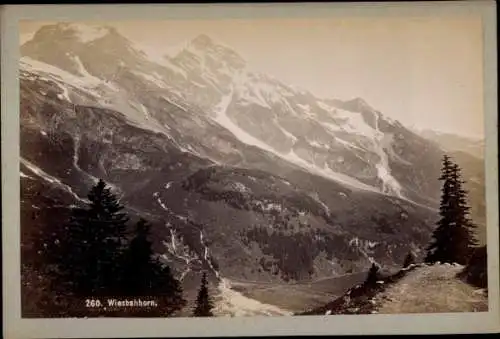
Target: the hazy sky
(425, 72)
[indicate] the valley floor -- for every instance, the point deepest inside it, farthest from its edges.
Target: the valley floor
(231, 303)
(296, 297)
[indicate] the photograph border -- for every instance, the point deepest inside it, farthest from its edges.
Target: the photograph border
(17, 327)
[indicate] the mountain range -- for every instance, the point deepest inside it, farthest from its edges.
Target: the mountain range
(258, 182)
(456, 143)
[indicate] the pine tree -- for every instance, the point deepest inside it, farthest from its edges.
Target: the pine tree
(89, 253)
(138, 272)
(145, 275)
(409, 260)
(441, 234)
(453, 239)
(203, 302)
(373, 275)
(167, 289)
(467, 242)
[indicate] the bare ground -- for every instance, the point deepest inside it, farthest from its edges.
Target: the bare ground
(417, 289)
(431, 289)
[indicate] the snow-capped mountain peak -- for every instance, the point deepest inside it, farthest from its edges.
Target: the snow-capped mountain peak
(77, 32)
(212, 54)
(203, 41)
(86, 33)
(357, 105)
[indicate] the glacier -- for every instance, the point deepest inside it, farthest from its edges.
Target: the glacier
(222, 118)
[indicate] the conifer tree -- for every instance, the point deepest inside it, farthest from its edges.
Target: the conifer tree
(373, 275)
(144, 275)
(409, 260)
(89, 253)
(138, 271)
(167, 289)
(466, 242)
(453, 239)
(203, 302)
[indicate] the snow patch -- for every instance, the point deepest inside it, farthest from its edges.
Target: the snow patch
(76, 146)
(348, 144)
(326, 107)
(316, 197)
(23, 175)
(87, 33)
(160, 57)
(238, 186)
(174, 103)
(222, 118)
(288, 134)
(88, 78)
(178, 249)
(317, 144)
(250, 96)
(206, 255)
(364, 247)
(306, 109)
(47, 177)
(64, 94)
(197, 84)
(154, 79)
(389, 184)
(268, 206)
(328, 173)
(145, 111)
(55, 74)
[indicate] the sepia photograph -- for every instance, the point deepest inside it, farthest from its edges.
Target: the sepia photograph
(253, 167)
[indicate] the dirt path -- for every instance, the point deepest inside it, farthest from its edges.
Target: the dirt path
(432, 289)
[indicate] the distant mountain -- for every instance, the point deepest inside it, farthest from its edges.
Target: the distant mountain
(456, 143)
(241, 174)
